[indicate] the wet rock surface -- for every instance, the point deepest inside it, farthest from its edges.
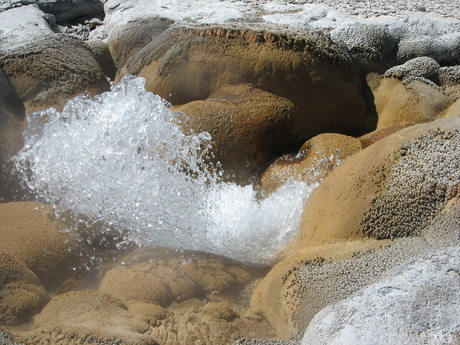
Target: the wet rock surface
(264, 78)
(301, 285)
(21, 294)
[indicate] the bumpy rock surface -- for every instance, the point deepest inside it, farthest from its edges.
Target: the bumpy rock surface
(422, 180)
(218, 316)
(45, 68)
(361, 183)
(30, 233)
(411, 307)
(21, 294)
(7, 339)
(315, 159)
(164, 276)
(417, 91)
(371, 44)
(86, 317)
(395, 187)
(303, 284)
(189, 64)
(48, 72)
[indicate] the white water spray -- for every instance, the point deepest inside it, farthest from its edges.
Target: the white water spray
(123, 159)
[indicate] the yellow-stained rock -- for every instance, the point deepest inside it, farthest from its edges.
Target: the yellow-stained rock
(295, 87)
(389, 189)
(315, 159)
(87, 317)
(248, 126)
(30, 233)
(21, 294)
(163, 276)
(407, 103)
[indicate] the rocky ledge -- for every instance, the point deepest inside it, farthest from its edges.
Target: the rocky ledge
(357, 98)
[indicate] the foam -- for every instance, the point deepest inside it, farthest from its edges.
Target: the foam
(123, 160)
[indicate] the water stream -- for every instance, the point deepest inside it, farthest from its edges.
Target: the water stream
(122, 159)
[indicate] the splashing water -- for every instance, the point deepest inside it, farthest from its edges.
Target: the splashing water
(122, 159)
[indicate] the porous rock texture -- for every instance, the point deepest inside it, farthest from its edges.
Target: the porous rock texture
(45, 69)
(420, 154)
(7, 339)
(402, 185)
(275, 299)
(186, 64)
(414, 306)
(315, 159)
(50, 71)
(21, 294)
(31, 234)
(372, 45)
(415, 92)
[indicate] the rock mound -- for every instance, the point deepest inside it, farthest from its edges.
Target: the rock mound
(164, 276)
(403, 185)
(48, 72)
(21, 294)
(186, 64)
(411, 307)
(31, 234)
(315, 159)
(248, 126)
(87, 317)
(368, 176)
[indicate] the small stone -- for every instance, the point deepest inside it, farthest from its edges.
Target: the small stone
(50, 19)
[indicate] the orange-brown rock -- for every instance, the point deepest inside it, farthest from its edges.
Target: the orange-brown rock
(374, 136)
(247, 125)
(317, 276)
(48, 72)
(21, 294)
(408, 102)
(275, 297)
(453, 109)
(163, 276)
(87, 317)
(390, 189)
(30, 233)
(315, 159)
(397, 189)
(12, 124)
(314, 79)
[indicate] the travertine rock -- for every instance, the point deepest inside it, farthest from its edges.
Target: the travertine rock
(349, 202)
(30, 233)
(315, 159)
(21, 294)
(315, 80)
(164, 276)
